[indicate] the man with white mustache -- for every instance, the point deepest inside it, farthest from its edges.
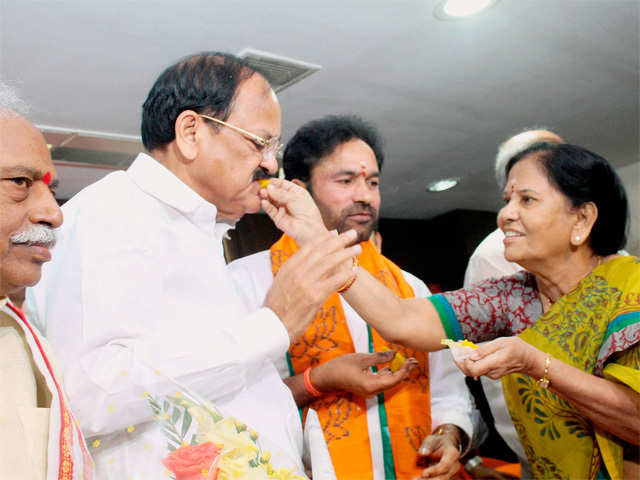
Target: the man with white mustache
(38, 436)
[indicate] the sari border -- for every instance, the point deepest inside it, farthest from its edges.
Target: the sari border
(447, 317)
(620, 322)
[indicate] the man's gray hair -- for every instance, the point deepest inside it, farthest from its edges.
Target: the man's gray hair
(518, 143)
(10, 103)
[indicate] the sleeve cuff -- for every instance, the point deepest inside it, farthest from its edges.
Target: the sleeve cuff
(463, 422)
(447, 317)
(266, 335)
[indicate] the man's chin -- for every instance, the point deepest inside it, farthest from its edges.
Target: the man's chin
(364, 233)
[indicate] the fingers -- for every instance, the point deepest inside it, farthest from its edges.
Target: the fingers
(430, 444)
(447, 466)
(377, 358)
(282, 192)
(386, 379)
(486, 348)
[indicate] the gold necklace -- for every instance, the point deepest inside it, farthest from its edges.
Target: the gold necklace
(546, 302)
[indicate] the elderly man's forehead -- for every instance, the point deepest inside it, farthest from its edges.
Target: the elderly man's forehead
(22, 146)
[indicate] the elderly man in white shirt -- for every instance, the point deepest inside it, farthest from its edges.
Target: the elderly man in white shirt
(140, 286)
(38, 437)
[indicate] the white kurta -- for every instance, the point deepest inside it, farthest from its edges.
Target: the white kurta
(450, 402)
(30, 407)
(486, 262)
(139, 279)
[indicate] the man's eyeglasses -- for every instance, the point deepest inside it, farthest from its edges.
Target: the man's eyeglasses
(270, 148)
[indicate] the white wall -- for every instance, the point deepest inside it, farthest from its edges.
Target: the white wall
(631, 178)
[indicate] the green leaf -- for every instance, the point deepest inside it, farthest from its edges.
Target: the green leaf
(165, 406)
(186, 423)
(171, 435)
(175, 416)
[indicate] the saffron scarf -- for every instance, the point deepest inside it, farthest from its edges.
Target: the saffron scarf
(67, 456)
(404, 410)
(596, 328)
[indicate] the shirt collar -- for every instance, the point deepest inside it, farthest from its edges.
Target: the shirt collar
(158, 181)
(3, 301)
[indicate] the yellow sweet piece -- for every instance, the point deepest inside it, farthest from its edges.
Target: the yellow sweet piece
(460, 343)
(397, 362)
(263, 182)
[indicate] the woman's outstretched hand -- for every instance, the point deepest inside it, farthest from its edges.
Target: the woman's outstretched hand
(502, 356)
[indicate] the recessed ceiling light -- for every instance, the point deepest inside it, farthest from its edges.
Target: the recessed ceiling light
(458, 9)
(442, 185)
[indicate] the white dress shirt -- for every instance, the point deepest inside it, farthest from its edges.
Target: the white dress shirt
(138, 283)
(450, 401)
(486, 262)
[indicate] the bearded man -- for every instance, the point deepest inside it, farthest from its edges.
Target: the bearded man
(374, 421)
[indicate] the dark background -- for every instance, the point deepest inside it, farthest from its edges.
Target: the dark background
(435, 250)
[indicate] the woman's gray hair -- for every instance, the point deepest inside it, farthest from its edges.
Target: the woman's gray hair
(10, 103)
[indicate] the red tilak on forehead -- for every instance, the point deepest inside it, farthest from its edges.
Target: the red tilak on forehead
(47, 178)
(363, 167)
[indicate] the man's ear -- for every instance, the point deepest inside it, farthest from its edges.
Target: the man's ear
(587, 214)
(300, 183)
(186, 127)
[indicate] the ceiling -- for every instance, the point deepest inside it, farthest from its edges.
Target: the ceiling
(443, 93)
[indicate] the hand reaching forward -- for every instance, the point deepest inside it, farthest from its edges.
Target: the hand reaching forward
(292, 210)
(309, 276)
(352, 373)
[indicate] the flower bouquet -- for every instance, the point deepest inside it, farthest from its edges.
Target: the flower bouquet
(203, 444)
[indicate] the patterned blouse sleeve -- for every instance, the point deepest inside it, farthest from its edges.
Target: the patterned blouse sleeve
(489, 309)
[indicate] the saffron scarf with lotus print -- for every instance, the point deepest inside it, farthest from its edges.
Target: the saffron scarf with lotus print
(403, 410)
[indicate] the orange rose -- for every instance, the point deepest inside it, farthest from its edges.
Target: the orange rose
(193, 462)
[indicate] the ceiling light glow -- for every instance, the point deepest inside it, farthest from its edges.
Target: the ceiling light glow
(455, 9)
(442, 185)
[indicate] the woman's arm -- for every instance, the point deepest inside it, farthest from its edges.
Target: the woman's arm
(611, 406)
(413, 322)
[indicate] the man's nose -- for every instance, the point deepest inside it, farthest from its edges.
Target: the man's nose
(363, 191)
(270, 164)
(44, 208)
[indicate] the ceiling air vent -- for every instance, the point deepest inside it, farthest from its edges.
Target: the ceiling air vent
(281, 72)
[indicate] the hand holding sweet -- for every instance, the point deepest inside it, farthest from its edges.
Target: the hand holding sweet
(292, 210)
(352, 373)
(502, 356)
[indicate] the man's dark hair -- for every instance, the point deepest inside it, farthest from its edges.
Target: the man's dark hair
(205, 83)
(318, 138)
(583, 176)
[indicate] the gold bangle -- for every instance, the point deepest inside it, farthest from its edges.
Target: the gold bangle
(347, 285)
(544, 381)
